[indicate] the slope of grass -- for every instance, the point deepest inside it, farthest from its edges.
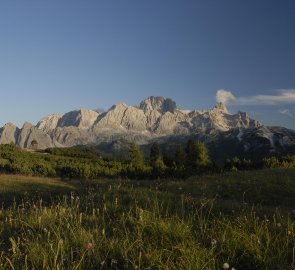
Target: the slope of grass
(243, 219)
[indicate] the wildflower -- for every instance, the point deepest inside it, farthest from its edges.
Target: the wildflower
(225, 266)
(89, 246)
(114, 262)
(213, 242)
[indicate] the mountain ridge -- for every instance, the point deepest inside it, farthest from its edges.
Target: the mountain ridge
(154, 119)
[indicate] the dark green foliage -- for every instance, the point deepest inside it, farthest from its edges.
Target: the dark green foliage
(138, 167)
(284, 162)
(179, 157)
(136, 156)
(237, 164)
(156, 161)
(86, 163)
(155, 152)
(197, 156)
(203, 160)
(191, 154)
(85, 152)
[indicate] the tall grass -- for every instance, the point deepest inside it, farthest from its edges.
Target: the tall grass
(141, 225)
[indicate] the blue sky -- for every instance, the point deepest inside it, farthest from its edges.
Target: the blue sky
(61, 55)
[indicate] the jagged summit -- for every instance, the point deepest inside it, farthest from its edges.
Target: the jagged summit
(156, 118)
(221, 107)
(159, 104)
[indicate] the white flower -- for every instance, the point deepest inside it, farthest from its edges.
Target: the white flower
(225, 266)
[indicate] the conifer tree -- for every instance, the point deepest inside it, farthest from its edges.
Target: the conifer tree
(179, 157)
(136, 156)
(155, 152)
(197, 155)
(203, 159)
(156, 160)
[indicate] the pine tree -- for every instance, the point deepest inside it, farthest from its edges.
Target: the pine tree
(156, 160)
(179, 157)
(155, 152)
(197, 156)
(203, 159)
(136, 156)
(191, 153)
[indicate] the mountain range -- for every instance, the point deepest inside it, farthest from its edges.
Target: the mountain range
(154, 119)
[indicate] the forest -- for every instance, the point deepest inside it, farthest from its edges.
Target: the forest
(87, 162)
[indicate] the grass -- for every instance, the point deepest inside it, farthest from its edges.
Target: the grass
(245, 219)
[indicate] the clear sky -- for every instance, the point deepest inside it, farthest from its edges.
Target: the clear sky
(61, 55)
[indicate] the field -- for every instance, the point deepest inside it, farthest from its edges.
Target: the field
(243, 219)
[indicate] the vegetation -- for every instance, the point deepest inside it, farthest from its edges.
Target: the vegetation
(243, 219)
(87, 163)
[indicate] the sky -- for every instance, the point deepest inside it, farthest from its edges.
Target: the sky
(61, 55)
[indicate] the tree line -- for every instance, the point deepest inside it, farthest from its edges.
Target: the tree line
(87, 163)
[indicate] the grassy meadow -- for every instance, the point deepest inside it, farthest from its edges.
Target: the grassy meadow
(238, 220)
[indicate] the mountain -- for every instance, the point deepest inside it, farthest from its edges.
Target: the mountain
(154, 119)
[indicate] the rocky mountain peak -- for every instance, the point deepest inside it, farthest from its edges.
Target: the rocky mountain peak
(119, 106)
(27, 125)
(9, 124)
(156, 118)
(159, 104)
(49, 122)
(82, 118)
(221, 107)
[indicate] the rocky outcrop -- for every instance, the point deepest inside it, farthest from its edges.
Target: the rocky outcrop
(156, 118)
(30, 133)
(9, 134)
(82, 118)
(154, 115)
(158, 104)
(49, 122)
(121, 116)
(25, 136)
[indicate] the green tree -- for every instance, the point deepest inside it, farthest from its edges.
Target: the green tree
(179, 157)
(197, 156)
(203, 159)
(271, 162)
(155, 152)
(156, 160)
(191, 153)
(136, 157)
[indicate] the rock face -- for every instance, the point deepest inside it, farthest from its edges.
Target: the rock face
(155, 115)
(82, 119)
(155, 119)
(49, 122)
(158, 104)
(9, 134)
(25, 136)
